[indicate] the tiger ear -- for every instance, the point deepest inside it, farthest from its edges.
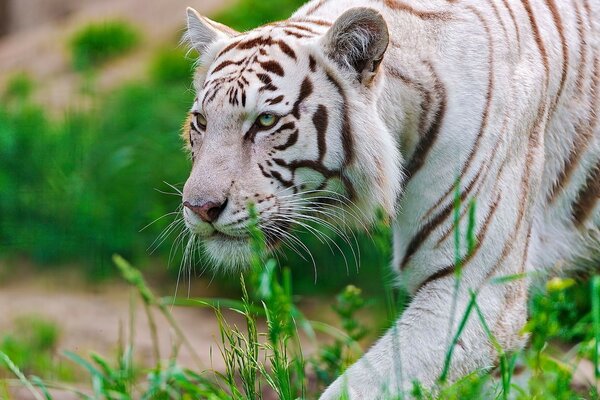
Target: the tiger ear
(202, 32)
(357, 41)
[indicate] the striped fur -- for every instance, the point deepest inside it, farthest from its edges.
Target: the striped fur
(503, 94)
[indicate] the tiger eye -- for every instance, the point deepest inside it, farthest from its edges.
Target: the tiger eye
(267, 120)
(201, 121)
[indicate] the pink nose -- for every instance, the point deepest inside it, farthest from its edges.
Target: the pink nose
(208, 212)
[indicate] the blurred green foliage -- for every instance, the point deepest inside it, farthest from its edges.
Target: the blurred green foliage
(81, 187)
(248, 14)
(32, 347)
(96, 43)
(19, 87)
(171, 65)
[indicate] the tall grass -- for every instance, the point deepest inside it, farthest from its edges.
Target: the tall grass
(267, 359)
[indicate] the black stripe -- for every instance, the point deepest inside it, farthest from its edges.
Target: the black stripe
(347, 136)
(321, 122)
(306, 90)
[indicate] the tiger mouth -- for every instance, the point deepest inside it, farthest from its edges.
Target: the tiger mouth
(217, 235)
(272, 241)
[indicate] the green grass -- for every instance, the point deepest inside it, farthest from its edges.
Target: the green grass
(32, 348)
(97, 43)
(257, 362)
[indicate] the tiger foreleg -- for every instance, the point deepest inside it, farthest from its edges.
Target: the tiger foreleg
(416, 349)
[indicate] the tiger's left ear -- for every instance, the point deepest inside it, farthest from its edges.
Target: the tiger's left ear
(202, 32)
(357, 41)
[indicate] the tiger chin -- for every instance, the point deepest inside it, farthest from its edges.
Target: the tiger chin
(351, 106)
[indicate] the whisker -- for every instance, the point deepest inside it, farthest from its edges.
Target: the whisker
(159, 218)
(181, 266)
(168, 193)
(284, 237)
(178, 242)
(299, 242)
(179, 223)
(340, 233)
(173, 187)
(317, 234)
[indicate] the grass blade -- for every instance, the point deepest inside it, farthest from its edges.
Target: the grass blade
(15, 370)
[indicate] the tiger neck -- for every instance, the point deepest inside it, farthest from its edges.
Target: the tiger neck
(417, 101)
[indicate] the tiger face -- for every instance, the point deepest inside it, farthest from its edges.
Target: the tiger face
(285, 118)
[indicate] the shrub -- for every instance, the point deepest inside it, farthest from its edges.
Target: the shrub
(248, 14)
(19, 86)
(32, 348)
(97, 43)
(82, 187)
(171, 65)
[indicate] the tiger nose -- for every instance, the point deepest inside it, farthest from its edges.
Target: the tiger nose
(208, 212)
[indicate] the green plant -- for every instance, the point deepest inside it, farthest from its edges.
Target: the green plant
(172, 65)
(332, 359)
(19, 86)
(273, 361)
(32, 348)
(97, 43)
(247, 14)
(94, 168)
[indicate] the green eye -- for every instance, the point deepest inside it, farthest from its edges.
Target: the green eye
(267, 120)
(201, 121)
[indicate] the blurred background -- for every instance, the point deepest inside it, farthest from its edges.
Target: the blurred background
(92, 97)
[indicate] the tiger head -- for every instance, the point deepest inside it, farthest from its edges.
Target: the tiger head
(286, 118)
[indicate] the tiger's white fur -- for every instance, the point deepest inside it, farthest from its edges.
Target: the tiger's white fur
(501, 93)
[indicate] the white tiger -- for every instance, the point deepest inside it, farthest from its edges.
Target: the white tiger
(383, 104)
